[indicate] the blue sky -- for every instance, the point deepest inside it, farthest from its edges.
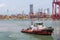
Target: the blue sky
(17, 6)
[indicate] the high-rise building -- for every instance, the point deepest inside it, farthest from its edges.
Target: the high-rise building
(48, 11)
(31, 8)
(31, 14)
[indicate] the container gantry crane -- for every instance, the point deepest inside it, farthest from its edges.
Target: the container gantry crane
(56, 9)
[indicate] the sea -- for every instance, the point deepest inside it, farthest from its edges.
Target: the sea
(11, 30)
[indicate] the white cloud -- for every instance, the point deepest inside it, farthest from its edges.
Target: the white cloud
(2, 5)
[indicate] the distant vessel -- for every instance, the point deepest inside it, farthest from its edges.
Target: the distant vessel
(38, 28)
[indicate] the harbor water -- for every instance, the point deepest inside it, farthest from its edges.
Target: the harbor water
(11, 30)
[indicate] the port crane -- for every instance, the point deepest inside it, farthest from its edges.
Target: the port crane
(56, 9)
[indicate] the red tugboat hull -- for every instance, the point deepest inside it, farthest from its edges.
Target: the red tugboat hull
(41, 32)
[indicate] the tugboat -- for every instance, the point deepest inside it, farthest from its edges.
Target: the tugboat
(38, 28)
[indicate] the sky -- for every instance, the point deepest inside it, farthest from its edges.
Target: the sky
(17, 6)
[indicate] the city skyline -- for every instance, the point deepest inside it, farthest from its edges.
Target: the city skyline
(17, 6)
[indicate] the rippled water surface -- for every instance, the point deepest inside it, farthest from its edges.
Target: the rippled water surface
(10, 30)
